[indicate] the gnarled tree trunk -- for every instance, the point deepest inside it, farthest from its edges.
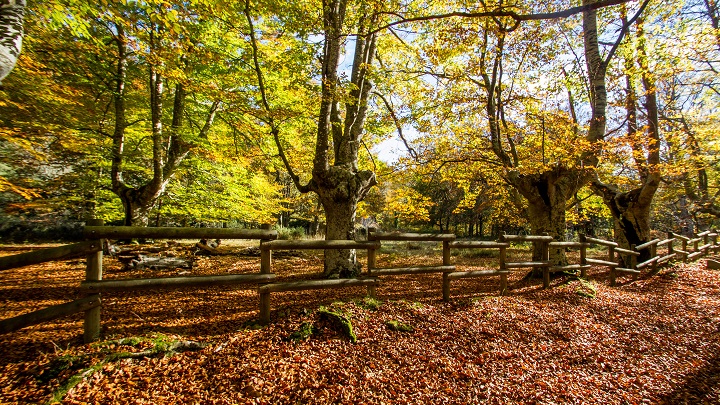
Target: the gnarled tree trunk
(546, 194)
(340, 190)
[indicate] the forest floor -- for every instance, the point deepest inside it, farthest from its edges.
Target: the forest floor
(651, 340)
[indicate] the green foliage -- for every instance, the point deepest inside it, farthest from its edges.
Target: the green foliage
(290, 233)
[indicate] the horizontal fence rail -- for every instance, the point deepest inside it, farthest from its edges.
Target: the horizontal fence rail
(49, 314)
(619, 260)
(135, 232)
(50, 254)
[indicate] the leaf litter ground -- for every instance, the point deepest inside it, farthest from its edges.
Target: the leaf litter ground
(653, 340)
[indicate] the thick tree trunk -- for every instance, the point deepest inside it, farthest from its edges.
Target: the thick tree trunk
(339, 192)
(631, 213)
(547, 194)
(137, 205)
(340, 217)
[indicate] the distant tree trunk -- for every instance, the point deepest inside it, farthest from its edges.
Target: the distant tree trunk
(169, 149)
(12, 13)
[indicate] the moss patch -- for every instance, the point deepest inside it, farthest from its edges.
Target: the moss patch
(398, 326)
(339, 320)
(305, 330)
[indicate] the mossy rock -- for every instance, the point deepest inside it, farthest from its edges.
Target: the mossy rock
(586, 289)
(398, 326)
(370, 303)
(339, 321)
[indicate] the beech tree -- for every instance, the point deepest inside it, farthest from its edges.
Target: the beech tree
(631, 207)
(336, 176)
(12, 13)
(541, 151)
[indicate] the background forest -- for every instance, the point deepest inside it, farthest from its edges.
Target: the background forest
(476, 118)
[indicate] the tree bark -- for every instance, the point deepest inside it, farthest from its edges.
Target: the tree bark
(340, 191)
(12, 14)
(546, 194)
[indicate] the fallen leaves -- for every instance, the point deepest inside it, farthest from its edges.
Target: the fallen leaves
(655, 340)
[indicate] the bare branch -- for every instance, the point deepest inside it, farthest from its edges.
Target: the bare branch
(504, 13)
(410, 149)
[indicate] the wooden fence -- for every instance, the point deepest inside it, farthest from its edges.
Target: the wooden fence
(93, 286)
(618, 260)
(266, 268)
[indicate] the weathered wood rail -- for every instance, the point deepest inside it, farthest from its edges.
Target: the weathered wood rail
(659, 252)
(502, 270)
(445, 268)
(84, 304)
(93, 286)
(266, 268)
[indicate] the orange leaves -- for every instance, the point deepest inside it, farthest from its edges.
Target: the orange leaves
(645, 341)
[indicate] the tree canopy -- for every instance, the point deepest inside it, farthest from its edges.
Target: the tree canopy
(555, 117)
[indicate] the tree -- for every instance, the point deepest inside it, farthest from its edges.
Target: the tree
(12, 13)
(631, 207)
(335, 177)
(513, 122)
(60, 120)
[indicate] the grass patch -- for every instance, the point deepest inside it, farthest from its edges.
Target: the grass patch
(370, 303)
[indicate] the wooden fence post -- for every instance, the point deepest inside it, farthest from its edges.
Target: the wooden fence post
(611, 258)
(683, 246)
(265, 254)
(545, 249)
(583, 256)
(446, 262)
(503, 268)
(264, 308)
(670, 248)
(633, 259)
(371, 260)
(93, 272)
(446, 253)
(265, 268)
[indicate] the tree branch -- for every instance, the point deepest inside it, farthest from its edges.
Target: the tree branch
(410, 149)
(274, 130)
(503, 13)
